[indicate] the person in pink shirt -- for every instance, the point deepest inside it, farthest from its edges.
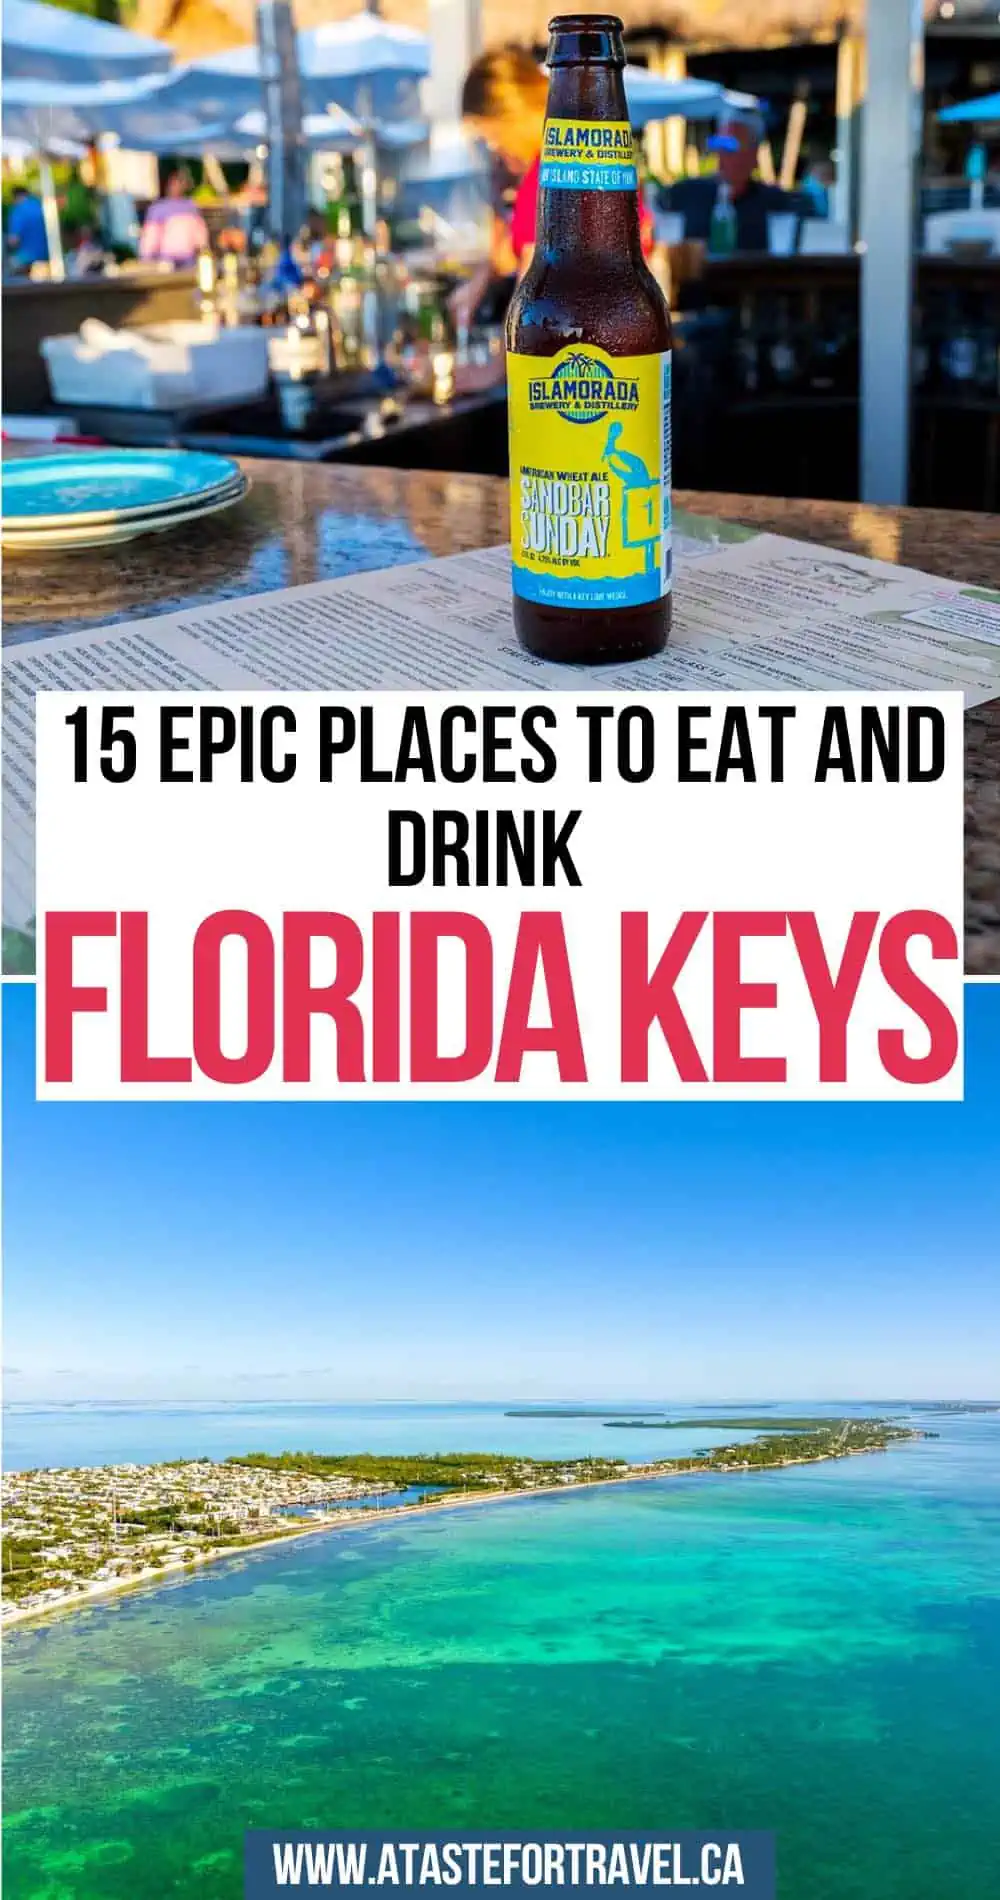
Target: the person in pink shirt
(173, 228)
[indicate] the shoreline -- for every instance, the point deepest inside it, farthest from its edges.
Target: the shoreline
(363, 1520)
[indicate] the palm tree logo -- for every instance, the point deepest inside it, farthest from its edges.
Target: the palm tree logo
(582, 368)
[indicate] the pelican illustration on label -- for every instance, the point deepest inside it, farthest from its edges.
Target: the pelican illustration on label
(641, 517)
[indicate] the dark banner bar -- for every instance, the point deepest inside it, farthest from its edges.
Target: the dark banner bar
(740, 1864)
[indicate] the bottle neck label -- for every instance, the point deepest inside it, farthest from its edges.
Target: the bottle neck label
(587, 155)
(590, 477)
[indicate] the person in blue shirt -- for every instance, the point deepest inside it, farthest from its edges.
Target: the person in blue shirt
(26, 237)
(816, 187)
(736, 143)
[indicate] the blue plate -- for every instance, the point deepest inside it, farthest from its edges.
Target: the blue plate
(102, 485)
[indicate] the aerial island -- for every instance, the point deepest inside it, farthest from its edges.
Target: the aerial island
(73, 1535)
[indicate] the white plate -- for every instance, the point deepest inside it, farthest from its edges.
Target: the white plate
(68, 540)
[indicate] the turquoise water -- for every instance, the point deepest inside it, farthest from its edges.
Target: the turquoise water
(814, 1650)
(89, 1433)
(387, 1500)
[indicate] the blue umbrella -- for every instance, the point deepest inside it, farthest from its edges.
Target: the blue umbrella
(982, 111)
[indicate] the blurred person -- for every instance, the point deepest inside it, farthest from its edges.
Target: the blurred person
(503, 108)
(752, 201)
(173, 228)
(817, 186)
(231, 239)
(27, 239)
(86, 257)
(250, 205)
(119, 221)
(322, 245)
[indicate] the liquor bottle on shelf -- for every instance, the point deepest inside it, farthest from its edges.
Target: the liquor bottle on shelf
(207, 276)
(920, 352)
(280, 286)
(988, 333)
(748, 350)
(235, 299)
(783, 357)
(287, 271)
(959, 356)
(829, 349)
(722, 228)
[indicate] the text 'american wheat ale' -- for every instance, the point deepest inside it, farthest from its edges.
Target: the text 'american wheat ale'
(588, 378)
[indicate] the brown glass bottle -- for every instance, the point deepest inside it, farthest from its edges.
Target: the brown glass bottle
(589, 300)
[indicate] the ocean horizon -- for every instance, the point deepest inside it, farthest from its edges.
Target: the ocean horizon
(120, 1431)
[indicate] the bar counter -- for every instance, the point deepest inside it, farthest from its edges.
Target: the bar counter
(307, 522)
(32, 311)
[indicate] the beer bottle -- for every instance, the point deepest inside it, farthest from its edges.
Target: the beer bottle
(588, 379)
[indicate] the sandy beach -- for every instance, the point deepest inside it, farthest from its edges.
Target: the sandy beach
(347, 1520)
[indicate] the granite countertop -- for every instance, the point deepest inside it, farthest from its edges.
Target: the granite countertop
(307, 521)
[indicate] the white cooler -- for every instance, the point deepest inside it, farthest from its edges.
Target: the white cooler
(166, 366)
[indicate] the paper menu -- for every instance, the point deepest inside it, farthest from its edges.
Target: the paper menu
(750, 612)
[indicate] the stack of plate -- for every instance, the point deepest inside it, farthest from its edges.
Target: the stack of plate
(101, 496)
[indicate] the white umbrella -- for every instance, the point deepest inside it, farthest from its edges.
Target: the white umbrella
(373, 69)
(20, 150)
(334, 131)
(651, 97)
(144, 115)
(365, 65)
(362, 65)
(52, 47)
(41, 42)
(363, 45)
(147, 118)
(339, 131)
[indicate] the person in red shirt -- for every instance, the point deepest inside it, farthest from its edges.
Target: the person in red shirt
(524, 217)
(503, 108)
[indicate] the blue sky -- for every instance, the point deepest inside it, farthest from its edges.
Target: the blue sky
(377, 1252)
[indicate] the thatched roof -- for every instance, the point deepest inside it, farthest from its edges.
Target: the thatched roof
(204, 26)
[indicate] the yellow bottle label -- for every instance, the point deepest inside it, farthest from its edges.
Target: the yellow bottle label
(590, 477)
(587, 155)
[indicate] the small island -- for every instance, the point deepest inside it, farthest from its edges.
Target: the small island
(959, 1408)
(576, 1411)
(745, 1422)
(73, 1535)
